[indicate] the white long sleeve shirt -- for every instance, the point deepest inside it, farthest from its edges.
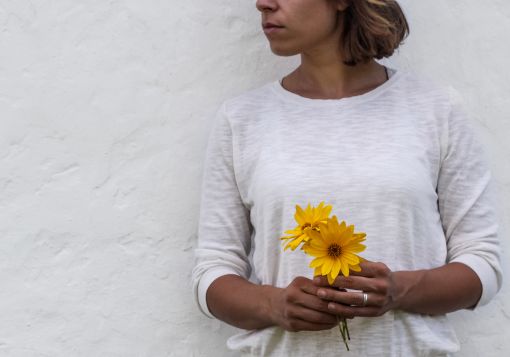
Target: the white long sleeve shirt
(402, 162)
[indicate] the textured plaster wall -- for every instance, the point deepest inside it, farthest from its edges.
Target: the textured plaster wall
(105, 107)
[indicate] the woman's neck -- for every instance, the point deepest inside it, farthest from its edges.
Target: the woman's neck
(334, 81)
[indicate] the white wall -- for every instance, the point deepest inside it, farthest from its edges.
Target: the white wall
(104, 111)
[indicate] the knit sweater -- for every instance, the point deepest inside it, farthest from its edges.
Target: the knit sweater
(402, 162)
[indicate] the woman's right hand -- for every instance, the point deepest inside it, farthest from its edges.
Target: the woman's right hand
(298, 308)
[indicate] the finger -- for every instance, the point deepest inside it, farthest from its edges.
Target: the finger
(301, 325)
(351, 282)
(350, 298)
(313, 316)
(310, 300)
(310, 288)
(320, 280)
(372, 269)
(356, 283)
(368, 269)
(353, 311)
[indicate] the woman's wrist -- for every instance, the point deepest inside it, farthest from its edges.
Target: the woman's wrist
(241, 303)
(440, 290)
(268, 304)
(406, 283)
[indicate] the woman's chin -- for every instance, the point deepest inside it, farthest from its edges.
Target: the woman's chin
(283, 51)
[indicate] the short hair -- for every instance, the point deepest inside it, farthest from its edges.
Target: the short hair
(372, 29)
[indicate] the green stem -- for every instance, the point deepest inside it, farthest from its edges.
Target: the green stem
(342, 326)
(347, 329)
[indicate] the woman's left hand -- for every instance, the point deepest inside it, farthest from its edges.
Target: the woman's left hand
(374, 279)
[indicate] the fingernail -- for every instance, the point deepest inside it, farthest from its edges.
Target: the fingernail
(321, 293)
(317, 279)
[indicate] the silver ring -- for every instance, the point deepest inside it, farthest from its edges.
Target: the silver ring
(365, 299)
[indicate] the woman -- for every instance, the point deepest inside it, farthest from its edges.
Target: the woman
(392, 152)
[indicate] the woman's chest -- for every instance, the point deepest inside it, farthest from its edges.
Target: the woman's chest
(362, 158)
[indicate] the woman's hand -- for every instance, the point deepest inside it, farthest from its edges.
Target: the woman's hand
(374, 279)
(297, 308)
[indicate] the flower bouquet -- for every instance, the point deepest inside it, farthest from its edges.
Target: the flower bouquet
(333, 245)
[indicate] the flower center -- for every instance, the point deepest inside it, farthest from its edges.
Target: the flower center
(334, 250)
(315, 227)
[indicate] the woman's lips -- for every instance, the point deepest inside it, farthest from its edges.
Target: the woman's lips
(272, 29)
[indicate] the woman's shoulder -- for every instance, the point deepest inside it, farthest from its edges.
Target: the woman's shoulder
(250, 100)
(427, 86)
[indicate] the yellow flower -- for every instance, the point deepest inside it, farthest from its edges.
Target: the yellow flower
(334, 247)
(308, 220)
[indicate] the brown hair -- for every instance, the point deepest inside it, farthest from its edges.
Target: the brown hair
(372, 29)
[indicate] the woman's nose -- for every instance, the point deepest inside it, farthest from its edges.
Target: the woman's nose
(263, 5)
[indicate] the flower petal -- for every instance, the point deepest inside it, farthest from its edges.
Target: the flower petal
(314, 234)
(355, 248)
(336, 268)
(327, 211)
(310, 250)
(345, 268)
(331, 280)
(350, 258)
(318, 244)
(355, 267)
(294, 244)
(328, 264)
(300, 215)
(319, 261)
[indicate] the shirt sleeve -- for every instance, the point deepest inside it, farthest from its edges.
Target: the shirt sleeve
(467, 201)
(224, 228)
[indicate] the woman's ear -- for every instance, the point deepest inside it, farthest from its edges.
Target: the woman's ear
(341, 5)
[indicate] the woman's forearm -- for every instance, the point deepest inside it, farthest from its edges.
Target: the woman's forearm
(240, 303)
(451, 287)
(243, 304)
